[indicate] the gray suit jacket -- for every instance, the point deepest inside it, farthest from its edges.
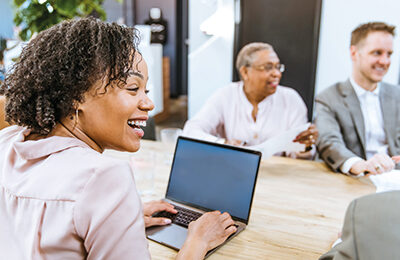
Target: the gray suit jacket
(371, 229)
(341, 125)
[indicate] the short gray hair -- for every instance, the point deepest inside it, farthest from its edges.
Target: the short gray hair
(245, 55)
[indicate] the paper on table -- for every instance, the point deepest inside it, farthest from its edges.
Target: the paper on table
(281, 143)
(386, 181)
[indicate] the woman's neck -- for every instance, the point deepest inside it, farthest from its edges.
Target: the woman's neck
(253, 96)
(67, 128)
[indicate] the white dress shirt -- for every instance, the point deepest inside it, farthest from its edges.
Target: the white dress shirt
(228, 114)
(375, 137)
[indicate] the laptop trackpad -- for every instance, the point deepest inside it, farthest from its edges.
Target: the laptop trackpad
(172, 235)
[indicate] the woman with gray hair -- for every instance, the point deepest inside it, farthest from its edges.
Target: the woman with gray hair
(256, 108)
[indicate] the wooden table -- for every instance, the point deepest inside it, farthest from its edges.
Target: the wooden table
(297, 212)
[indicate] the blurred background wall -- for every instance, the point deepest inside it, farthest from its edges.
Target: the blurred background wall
(311, 37)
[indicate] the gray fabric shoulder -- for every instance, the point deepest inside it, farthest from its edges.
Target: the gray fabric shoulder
(328, 92)
(377, 198)
(392, 89)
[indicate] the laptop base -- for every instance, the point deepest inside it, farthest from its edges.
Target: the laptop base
(174, 236)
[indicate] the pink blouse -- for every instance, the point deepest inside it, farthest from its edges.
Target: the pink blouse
(60, 199)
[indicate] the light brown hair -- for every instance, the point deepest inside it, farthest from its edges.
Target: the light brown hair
(362, 31)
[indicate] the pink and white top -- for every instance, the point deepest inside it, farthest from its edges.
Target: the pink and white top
(60, 199)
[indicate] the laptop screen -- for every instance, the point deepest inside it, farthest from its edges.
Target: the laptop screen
(214, 177)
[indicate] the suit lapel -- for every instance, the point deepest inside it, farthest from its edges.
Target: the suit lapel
(353, 104)
(388, 112)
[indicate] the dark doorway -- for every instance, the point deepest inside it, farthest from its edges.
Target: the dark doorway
(182, 24)
(292, 28)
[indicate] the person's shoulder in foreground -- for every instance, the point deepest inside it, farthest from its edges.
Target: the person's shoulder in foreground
(90, 196)
(371, 229)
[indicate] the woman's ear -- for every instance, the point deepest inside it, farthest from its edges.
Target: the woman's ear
(243, 72)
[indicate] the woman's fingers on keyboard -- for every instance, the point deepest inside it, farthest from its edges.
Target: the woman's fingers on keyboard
(151, 207)
(151, 221)
(230, 230)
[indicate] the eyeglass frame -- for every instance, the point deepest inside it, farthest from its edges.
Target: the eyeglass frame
(280, 67)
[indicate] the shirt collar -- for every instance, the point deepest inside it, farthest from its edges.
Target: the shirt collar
(243, 97)
(360, 91)
(266, 100)
(34, 149)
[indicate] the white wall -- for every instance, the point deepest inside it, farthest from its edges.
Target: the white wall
(338, 19)
(210, 56)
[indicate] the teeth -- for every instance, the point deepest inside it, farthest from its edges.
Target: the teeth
(380, 68)
(137, 123)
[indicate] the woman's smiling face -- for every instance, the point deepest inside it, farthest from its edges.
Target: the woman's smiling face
(113, 119)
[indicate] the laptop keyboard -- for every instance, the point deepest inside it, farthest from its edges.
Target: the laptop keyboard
(182, 218)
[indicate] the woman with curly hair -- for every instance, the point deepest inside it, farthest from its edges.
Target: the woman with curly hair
(80, 88)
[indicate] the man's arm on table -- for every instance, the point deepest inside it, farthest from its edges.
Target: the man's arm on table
(330, 143)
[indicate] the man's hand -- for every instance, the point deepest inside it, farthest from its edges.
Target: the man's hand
(362, 166)
(382, 163)
(151, 207)
(396, 159)
(308, 137)
(378, 164)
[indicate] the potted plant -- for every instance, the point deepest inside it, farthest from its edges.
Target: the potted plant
(33, 16)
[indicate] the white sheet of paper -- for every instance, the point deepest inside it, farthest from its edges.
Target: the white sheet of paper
(386, 181)
(281, 143)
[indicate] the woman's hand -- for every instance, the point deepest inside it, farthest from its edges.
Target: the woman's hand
(235, 142)
(308, 137)
(151, 207)
(206, 233)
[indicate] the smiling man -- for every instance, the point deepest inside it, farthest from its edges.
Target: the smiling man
(358, 120)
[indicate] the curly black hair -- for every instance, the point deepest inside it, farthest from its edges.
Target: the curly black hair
(60, 65)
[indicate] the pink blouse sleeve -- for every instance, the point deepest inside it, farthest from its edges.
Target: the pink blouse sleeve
(108, 215)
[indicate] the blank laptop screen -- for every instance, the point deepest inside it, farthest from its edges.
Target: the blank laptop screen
(213, 177)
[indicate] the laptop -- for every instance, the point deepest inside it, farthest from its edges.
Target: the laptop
(205, 177)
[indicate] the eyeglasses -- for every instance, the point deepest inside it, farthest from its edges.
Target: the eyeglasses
(268, 67)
